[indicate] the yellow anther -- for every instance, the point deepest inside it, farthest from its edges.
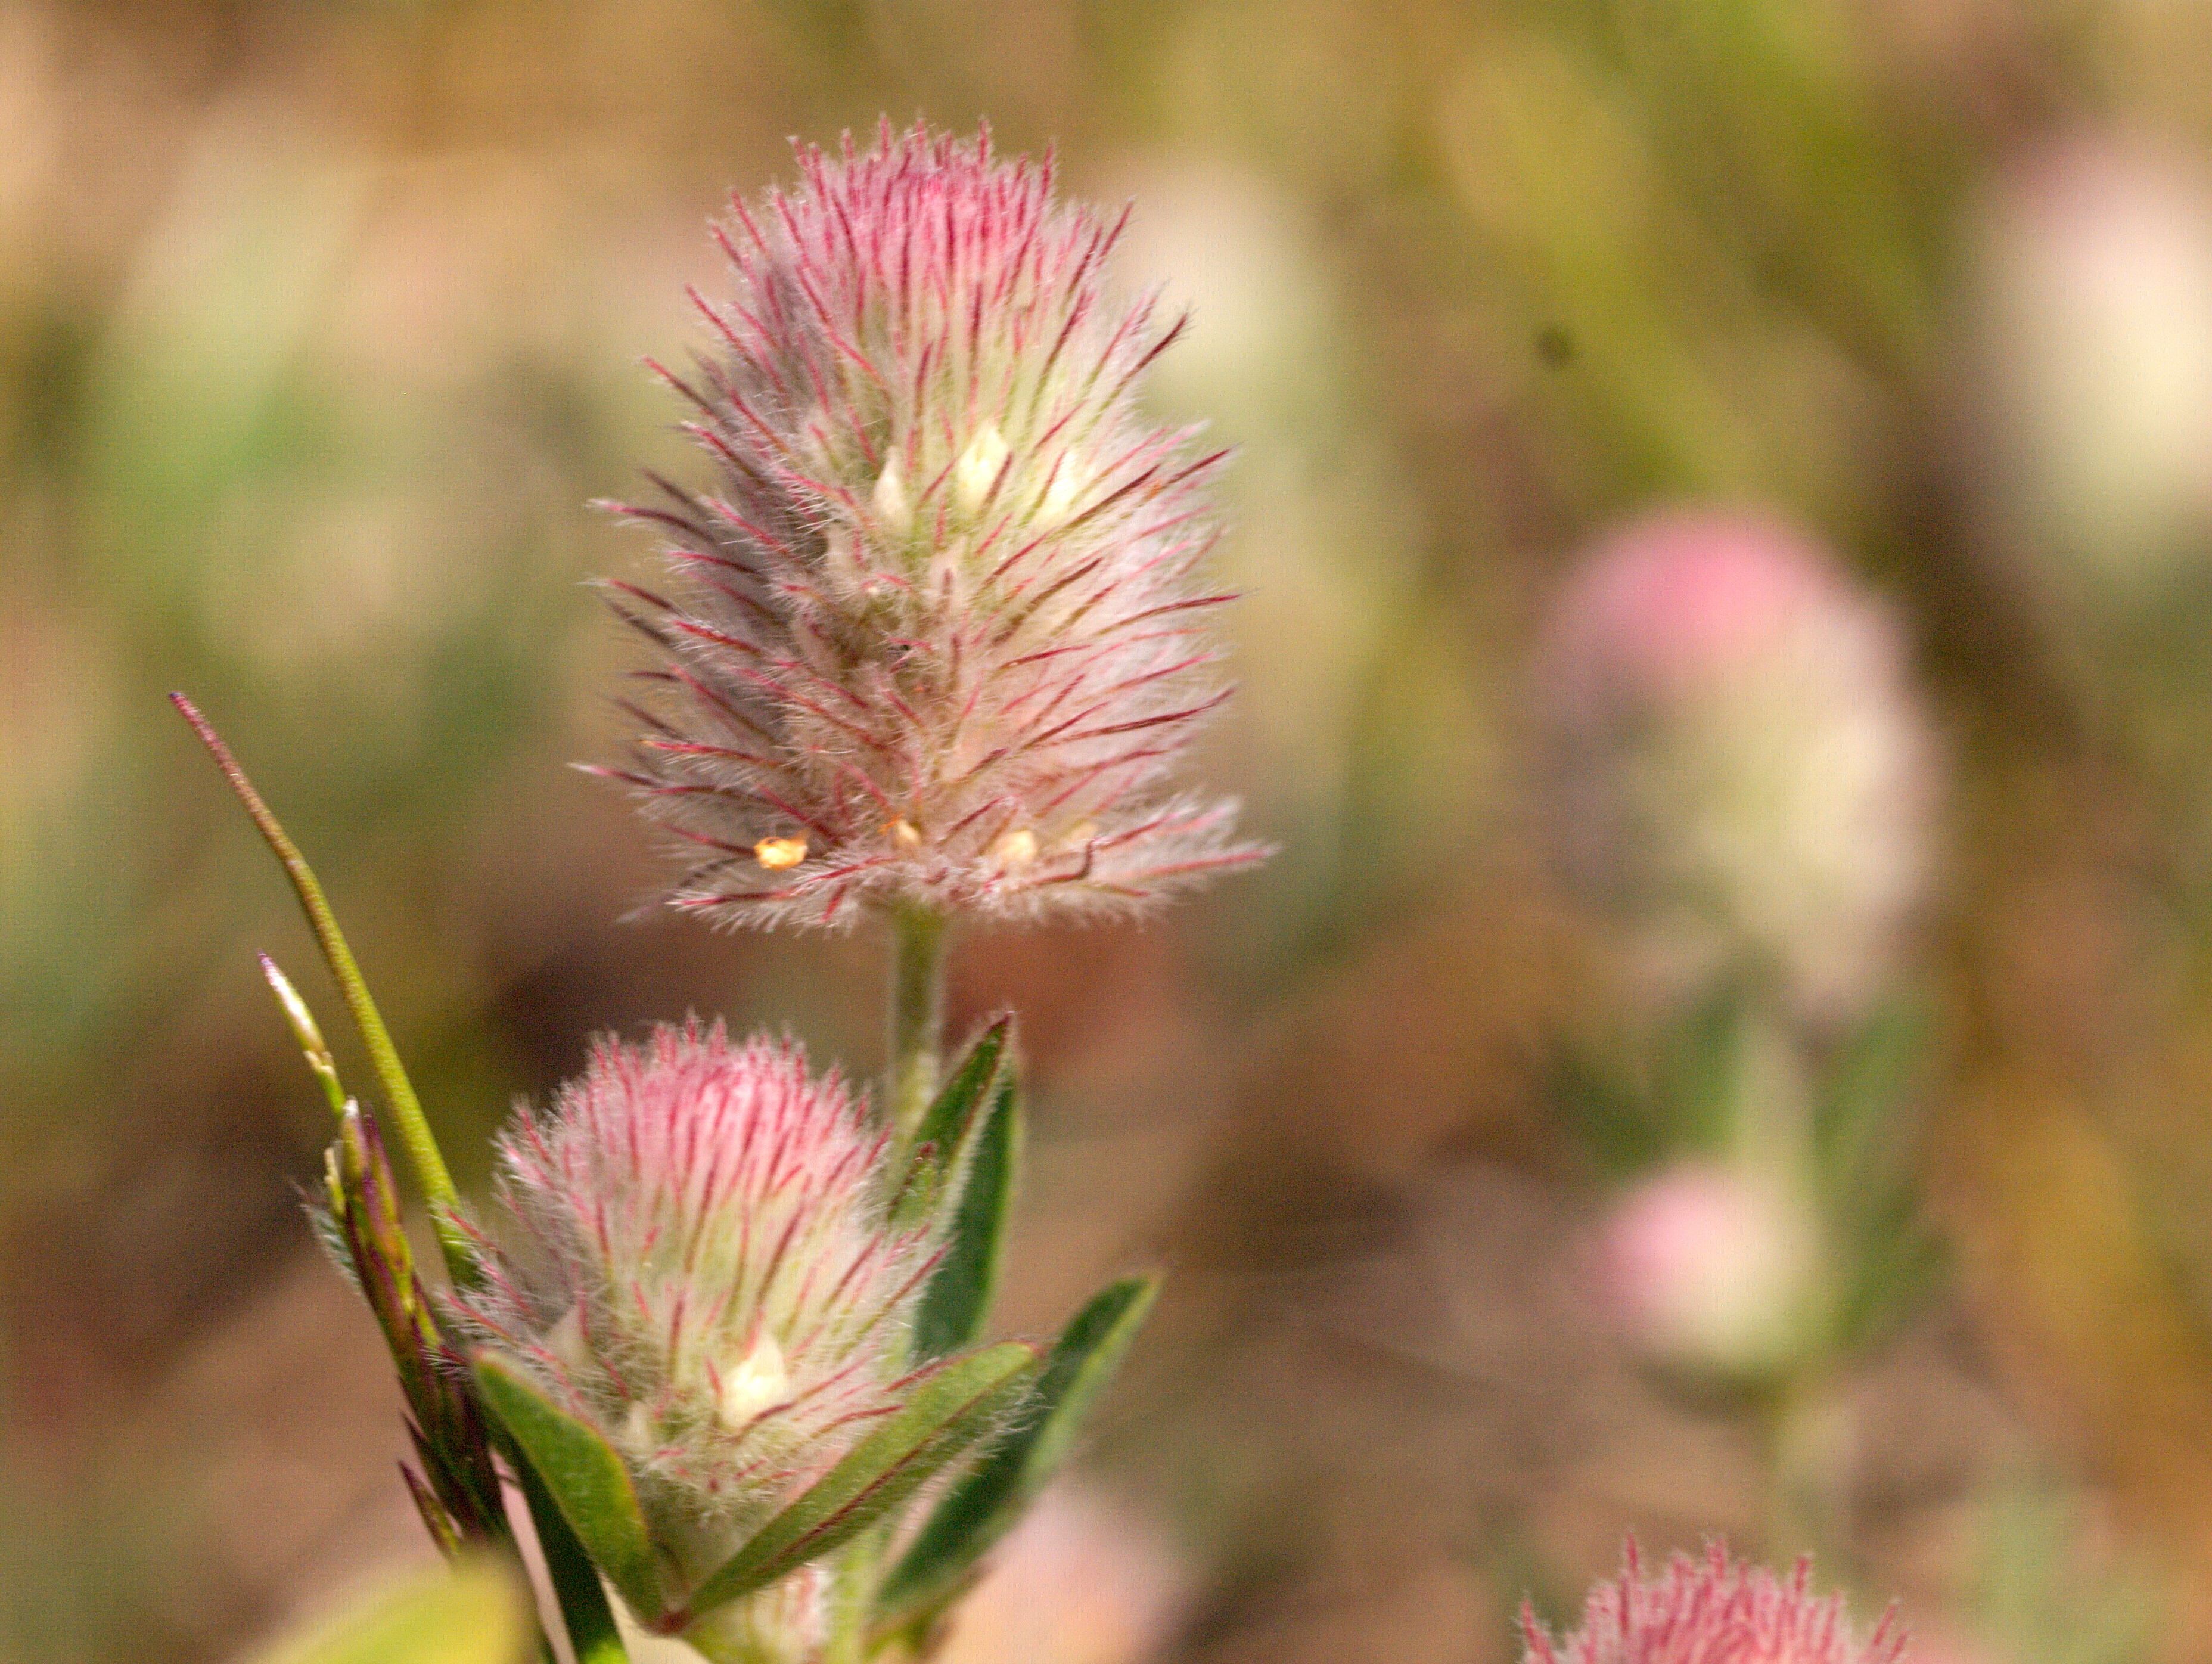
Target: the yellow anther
(904, 834)
(779, 854)
(1016, 848)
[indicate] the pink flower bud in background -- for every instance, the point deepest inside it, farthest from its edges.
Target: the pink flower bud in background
(937, 637)
(1712, 1611)
(1703, 1268)
(1738, 770)
(2093, 289)
(697, 1265)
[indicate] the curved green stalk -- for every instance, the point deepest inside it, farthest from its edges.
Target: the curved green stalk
(435, 1183)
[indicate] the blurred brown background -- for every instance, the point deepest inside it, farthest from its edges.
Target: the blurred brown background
(318, 327)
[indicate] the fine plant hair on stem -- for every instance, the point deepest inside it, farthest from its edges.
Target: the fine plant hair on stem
(936, 638)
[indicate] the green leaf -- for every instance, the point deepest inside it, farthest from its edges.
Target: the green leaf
(1886, 1274)
(312, 1046)
(944, 1141)
(1867, 1130)
(1614, 1118)
(475, 1614)
(1866, 1120)
(958, 1298)
(983, 1506)
(593, 1635)
(585, 1476)
(953, 1405)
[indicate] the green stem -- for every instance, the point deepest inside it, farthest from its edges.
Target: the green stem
(413, 1129)
(917, 1012)
(1790, 1434)
(1771, 1143)
(1770, 1111)
(919, 940)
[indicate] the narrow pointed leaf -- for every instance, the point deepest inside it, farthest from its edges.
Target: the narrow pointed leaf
(414, 1134)
(957, 1301)
(435, 1520)
(584, 1476)
(1864, 1121)
(983, 1506)
(943, 1139)
(954, 1405)
(593, 1635)
(312, 1046)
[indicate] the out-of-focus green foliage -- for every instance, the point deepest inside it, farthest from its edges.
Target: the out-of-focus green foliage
(473, 1614)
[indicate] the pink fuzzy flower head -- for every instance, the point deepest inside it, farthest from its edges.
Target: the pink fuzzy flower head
(1713, 1611)
(696, 1264)
(1739, 769)
(935, 636)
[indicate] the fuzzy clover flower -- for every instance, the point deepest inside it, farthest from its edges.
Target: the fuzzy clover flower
(1739, 769)
(934, 638)
(1713, 1611)
(696, 1265)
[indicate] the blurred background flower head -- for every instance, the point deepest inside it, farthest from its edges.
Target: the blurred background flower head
(1709, 1269)
(1737, 768)
(2094, 255)
(1085, 1579)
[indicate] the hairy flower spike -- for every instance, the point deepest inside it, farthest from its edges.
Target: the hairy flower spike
(1712, 1612)
(699, 1265)
(938, 627)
